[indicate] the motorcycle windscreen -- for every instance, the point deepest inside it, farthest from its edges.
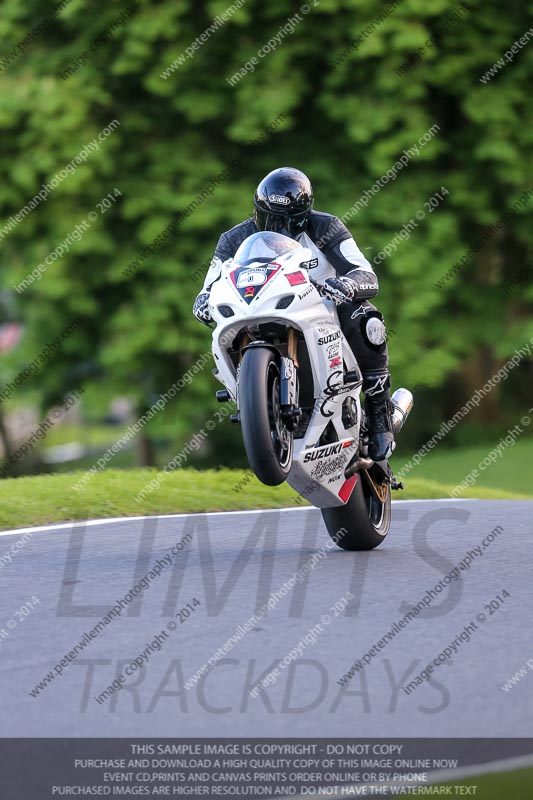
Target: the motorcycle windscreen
(264, 247)
(256, 261)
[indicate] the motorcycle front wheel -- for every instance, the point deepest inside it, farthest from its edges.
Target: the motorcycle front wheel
(267, 441)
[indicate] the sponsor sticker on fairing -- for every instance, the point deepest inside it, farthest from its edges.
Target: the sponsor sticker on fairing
(251, 277)
(332, 337)
(333, 350)
(295, 278)
(305, 293)
(311, 264)
(250, 282)
(327, 450)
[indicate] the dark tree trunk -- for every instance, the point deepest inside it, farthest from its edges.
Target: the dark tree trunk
(4, 438)
(146, 451)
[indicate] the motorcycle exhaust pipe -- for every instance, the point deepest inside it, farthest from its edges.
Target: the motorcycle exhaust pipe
(360, 463)
(402, 403)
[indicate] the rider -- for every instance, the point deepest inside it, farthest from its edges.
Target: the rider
(283, 203)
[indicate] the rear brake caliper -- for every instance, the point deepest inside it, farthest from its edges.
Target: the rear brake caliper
(385, 475)
(391, 478)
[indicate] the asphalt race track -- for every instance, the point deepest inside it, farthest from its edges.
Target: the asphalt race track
(226, 568)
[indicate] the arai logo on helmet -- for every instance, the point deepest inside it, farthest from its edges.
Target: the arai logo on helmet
(279, 199)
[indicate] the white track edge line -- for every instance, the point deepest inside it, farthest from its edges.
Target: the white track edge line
(108, 520)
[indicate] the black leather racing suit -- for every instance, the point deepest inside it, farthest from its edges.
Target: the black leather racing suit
(337, 254)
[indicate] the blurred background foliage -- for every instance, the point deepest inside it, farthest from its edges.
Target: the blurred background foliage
(346, 122)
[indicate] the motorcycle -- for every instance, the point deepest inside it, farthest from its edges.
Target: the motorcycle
(281, 355)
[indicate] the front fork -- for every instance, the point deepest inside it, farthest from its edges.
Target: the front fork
(289, 389)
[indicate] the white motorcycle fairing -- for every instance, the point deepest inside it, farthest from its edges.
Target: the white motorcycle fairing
(268, 282)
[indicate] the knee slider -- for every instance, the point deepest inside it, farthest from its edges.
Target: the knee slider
(374, 330)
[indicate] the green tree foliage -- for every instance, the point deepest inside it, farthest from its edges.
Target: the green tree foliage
(350, 107)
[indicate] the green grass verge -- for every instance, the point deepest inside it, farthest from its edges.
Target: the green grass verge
(51, 498)
(516, 785)
(510, 471)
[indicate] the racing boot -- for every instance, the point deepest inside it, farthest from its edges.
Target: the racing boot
(378, 408)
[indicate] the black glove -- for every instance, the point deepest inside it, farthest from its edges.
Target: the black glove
(200, 308)
(340, 290)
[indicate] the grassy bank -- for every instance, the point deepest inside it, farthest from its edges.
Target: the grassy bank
(52, 498)
(511, 471)
(500, 786)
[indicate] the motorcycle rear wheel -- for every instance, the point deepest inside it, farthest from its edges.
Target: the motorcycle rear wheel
(361, 524)
(267, 441)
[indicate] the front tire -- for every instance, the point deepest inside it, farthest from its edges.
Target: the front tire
(267, 441)
(361, 524)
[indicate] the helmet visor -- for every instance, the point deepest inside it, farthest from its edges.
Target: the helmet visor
(288, 225)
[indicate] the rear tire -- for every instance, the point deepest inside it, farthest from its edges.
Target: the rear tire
(268, 443)
(362, 523)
